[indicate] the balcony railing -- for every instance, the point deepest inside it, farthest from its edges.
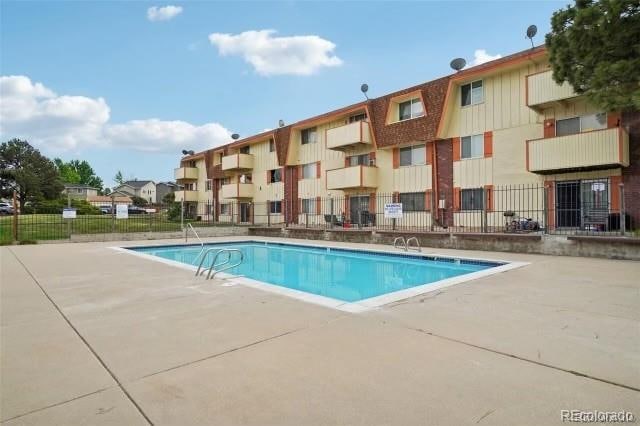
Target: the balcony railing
(542, 89)
(185, 173)
(237, 190)
(349, 135)
(596, 149)
(352, 177)
(237, 162)
(186, 196)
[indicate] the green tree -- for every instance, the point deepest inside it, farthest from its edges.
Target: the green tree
(595, 46)
(106, 191)
(76, 171)
(118, 178)
(138, 201)
(169, 197)
(25, 170)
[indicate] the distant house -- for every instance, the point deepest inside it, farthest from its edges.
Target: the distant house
(79, 191)
(138, 188)
(107, 200)
(164, 188)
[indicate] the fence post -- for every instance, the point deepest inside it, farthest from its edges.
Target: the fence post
(484, 210)
(306, 220)
(15, 216)
(269, 213)
(545, 210)
(331, 212)
(623, 219)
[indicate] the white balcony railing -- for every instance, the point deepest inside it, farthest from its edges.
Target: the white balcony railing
(186, 196)
(542, 89)
(237, 162)
(352, 134)
(237, 190)
(352, 177)
(185, 173)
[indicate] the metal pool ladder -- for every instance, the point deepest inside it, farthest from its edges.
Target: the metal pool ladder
(405, 244)
(210, 269)
(186, 234)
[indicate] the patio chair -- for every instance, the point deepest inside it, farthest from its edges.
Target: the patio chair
(332, 219)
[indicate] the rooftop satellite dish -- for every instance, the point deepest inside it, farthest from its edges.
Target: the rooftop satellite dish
(190, 152)
(364, 89)
(280, 123)
(185, 152)
(235, 136)
(458, 63)
(531, 33)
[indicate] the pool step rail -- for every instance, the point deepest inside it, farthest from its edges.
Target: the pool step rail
(211, 272)
(402, 244)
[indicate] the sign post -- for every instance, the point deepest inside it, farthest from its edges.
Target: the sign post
(393, 211)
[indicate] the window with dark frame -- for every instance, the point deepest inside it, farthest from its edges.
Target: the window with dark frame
(471, 93)
(272, 145)
(309, 135)
(412, 201)
(275, 207)
(471, 199)
(225, 208)
(309, 205)
(413, 155)
(472, 146)
(585, 123)
(208, 185)
(245, 150)
(275, 175)
(358, 117)
(309, 171)
(359, 160)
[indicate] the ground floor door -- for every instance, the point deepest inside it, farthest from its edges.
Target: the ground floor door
(359, 209)
(245, 212)
(568, 204)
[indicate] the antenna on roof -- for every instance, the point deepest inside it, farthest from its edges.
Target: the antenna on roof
(280, 123)
(235, 136)
(531, 33)
(364, 89)
(458, 63)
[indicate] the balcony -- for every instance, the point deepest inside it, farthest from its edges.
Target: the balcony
(352, 177)
(357, 133)
(542, 90)
(185, 173)
(186, 196)
(237, 162)
(237, 190)
(597, 149)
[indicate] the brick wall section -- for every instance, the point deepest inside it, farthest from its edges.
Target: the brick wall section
(418, 129)
(631, 174)
(444, 166)
(282, 137)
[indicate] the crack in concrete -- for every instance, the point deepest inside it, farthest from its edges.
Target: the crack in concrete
(86, 343)
(542, 364)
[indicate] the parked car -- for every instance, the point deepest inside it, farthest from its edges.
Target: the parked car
(136, 210)
(6, 209)
(106, 209)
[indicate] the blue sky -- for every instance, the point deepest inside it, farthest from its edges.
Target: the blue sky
(127, 90)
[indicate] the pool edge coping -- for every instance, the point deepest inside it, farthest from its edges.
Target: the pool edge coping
(360, 306)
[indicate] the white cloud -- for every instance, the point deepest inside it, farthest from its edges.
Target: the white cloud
(54, 122)
(270, 55)
(164, 13)
(481, 56)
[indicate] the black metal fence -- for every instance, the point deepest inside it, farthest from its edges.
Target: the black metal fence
(582, 207)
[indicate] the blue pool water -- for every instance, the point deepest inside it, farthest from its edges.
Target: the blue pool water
(343, 274)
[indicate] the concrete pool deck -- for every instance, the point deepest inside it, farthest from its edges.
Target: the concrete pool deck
(90, 335)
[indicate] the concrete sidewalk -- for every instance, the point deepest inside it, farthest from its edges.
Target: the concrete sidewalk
(90, 335)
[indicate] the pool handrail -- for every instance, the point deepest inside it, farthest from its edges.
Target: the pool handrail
(403, 241)
(417, 245)
(228, 251)
(186, 238)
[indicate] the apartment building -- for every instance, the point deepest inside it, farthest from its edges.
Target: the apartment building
(442, 148)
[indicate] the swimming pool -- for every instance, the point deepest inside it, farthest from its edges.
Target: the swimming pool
(342, 275)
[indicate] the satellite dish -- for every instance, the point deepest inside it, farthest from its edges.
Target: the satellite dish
(235, 136)
(458, 63)
(531, 33)
(280, 123)
(364, 89)
(190, 152)
(185, 152)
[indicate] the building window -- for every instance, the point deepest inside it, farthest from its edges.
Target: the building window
(226, 181)
(413, 155)
(471, 199)
(245, 150)
(309, 205)
(207, 209)
(412, 201)
(225, 208)
(275, 175)
(309, 135)
(309, 171)
(471, 93)
(359, 160)
(358, 117)
(571, 126)
(275, 207)
(245, 179)
(272, 145)
(472, 146)
(208, 184)
(410, 109)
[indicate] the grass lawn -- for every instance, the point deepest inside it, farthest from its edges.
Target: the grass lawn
(52, 227)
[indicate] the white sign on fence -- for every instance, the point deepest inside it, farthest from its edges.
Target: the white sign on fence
(122, 211)
(68, 213)
(393, 211)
